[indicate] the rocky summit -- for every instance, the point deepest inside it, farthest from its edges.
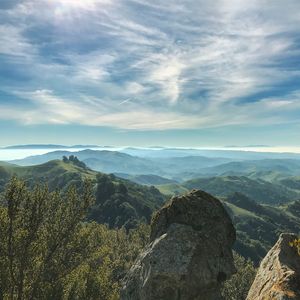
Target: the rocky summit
(278, 277)
(189, 254)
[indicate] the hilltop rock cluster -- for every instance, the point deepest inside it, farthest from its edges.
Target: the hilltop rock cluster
(189, 254)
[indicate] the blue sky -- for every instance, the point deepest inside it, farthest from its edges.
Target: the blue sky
(148, 72)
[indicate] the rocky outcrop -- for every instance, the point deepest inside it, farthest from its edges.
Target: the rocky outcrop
(189, 254)
(278, 277)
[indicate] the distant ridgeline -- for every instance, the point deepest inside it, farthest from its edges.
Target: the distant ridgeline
(120, 202)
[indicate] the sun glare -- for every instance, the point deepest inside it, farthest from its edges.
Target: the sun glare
(74, 3)
(67, 8)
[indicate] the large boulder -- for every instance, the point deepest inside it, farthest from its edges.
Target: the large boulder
(189, 254)
(278, 277)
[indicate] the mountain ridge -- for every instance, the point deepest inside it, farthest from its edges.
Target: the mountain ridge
(119, 202)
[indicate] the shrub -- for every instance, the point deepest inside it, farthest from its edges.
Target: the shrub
(237, 287)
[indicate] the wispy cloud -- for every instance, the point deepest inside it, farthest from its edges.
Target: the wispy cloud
(141, 64)
(13, 43)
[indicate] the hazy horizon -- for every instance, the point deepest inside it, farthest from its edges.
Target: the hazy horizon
(12, 154)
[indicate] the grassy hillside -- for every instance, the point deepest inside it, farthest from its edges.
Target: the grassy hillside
(283, 166)
(260, 190)
(258, 226)
(292, 182)
(56, 174)
(126, 204)
(172, 189)
(146, 179)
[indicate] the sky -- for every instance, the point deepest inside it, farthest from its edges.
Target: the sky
(150, 72)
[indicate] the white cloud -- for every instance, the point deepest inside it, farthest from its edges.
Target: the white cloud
(47, 108)
(166, 72)
(171, 65)
(13, 43)
(134, 88)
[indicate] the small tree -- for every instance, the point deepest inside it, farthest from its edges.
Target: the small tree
(237, 287)
(48, 251)
(122, 188)
(105, 188)
(42, 240)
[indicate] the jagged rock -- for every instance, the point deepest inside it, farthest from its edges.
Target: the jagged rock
(278, 277)
(189, 253)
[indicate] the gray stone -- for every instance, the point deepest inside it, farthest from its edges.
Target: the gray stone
(278, 277)
(189, 254)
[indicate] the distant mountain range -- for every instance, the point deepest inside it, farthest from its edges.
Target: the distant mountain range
(118, 162)
(104, 161)
(168, 152)
(268, 181)
(248, 146)
(175, 168)
(49, 146)
(233, 155)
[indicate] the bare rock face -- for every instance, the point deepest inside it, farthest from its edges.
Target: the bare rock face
(189, 254)
(278, 277)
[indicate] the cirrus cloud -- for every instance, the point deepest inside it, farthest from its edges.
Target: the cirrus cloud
(141, 64)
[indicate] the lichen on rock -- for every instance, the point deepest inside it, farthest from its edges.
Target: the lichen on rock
(278, 277)
(189, 254)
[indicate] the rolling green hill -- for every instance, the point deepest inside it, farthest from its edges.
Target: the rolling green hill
(292, 182)
(172, 189)
(57, 174)
(258, 226)
(257, 189)
(146, 179)
(283, 166)
(119, 202)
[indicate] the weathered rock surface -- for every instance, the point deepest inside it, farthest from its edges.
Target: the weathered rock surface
(189, 254)
(278, 277)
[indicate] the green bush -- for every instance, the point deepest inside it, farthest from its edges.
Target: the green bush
(48, 251)
(237, 287)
